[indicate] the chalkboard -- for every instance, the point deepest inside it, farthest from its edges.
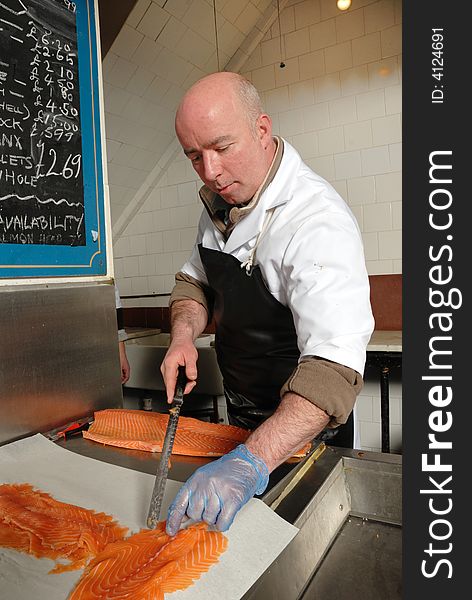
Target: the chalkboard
(51, 180)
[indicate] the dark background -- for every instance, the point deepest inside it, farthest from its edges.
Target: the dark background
(428, 127)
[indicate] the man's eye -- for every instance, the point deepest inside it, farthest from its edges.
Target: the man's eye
(195, 159)
(223, 149)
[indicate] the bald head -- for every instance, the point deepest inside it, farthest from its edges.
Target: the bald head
(237, 93)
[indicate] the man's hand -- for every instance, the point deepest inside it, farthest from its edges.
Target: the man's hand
(180, 353)
(124, 364)
(188, 320)
(216, 491)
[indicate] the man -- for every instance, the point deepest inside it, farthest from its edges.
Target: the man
(279, 265)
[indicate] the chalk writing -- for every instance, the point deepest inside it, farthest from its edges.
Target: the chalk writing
(41, 178)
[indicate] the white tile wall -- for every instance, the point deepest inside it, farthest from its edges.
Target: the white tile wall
(366, 49)
(316, 117)
(361, 191)
(127, 41)
(312, 65)
(391, 41)
(331, 140)
(307, 13)
(358, 135)
(327, 87)
(370, 105)
(338, 58)
(338, 101)
(347, 165)
(137, 13)
(349, 25)
(379, 15)
(323, 35)
(306, 144)
(354, 81)
(297, 42)
(378, 217)
(301, 94)
(342, 111)
(153, 21)
(375, 160)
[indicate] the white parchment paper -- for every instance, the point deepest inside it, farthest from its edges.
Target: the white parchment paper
(255, 539)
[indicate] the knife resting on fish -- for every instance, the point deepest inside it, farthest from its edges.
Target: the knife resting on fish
(163, 468)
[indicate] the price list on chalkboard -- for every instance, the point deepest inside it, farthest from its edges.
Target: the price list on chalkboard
(51, 196)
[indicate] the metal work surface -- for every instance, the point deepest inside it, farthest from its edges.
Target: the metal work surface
(59, 356)
(340, 485)
(346, 504)
(364, 563)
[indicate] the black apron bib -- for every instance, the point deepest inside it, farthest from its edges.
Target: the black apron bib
(255, 341)
(256, 344)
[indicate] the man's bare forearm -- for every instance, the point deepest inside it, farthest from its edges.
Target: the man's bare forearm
(295, 423)
(188, 320)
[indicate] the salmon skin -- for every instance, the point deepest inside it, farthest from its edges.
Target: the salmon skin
(150, 563)
(33, 522)
(142, 430)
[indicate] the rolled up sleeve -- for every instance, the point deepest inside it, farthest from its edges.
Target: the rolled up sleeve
(191, 281)
(330, 386)
(188, 288)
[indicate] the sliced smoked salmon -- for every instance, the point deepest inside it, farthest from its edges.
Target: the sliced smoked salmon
(142, 430)
(150, 563)
(32, 521)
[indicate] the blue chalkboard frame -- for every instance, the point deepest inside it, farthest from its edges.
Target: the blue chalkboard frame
(44, 261)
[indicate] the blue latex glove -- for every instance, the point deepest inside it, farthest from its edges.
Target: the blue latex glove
(216, 491)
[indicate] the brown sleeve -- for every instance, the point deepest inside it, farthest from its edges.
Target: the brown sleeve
(189, 288)
(329, 385)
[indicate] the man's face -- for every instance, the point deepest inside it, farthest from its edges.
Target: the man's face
(228, 154)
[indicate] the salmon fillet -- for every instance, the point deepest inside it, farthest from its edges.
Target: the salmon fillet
(33, 522)
(141, 430)
(150, 563)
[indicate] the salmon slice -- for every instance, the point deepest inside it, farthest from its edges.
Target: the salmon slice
(33, 522)
(150, 563)
(141, 430)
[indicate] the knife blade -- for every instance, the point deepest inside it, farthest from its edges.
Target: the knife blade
(69, 429)
(163, 468)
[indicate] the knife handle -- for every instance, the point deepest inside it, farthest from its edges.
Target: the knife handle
(180, 384)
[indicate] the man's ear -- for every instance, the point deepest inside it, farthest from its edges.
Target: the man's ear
(264, 128)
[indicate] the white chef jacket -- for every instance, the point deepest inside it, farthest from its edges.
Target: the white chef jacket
(309, 249)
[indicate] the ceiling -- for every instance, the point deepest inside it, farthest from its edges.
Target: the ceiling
(153, 51)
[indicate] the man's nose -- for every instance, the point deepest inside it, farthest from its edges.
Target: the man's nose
(212, 167)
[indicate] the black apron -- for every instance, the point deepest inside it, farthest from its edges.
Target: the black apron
(255, 341)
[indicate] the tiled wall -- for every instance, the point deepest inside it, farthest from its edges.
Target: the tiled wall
(338, 101)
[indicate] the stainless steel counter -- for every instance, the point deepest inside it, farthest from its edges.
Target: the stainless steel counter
(346, 504)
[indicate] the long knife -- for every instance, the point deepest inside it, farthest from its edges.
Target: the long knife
(163, 469)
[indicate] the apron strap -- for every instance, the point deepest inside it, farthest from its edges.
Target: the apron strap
(248, 264)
